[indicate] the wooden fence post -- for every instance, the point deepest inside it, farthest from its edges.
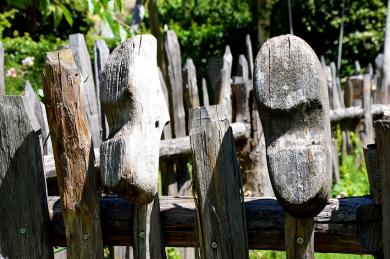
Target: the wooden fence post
(368, 123)
(83, 62)
(136, 111)
(373, 172)
(2, 86)
(176, 106)
(101, 53)
(249, 55)
(382, 133)
(293, 103)
(205, 93)
(220, 213)
(223, 90)
(74, 155)
(191, 96)
(23, 206)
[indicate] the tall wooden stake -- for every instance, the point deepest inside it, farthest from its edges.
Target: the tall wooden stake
(293, 103)
(74, 155)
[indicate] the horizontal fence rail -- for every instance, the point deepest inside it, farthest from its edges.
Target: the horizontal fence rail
(347, 225)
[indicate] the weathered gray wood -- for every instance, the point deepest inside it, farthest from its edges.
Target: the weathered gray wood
(223, 90)
(130, 84)
(191, 96)
(2, 86)
(243, 68)
(347, 225)
(169, 148)
(167, 132)
(220, 223)
(205, 93)
(351, 113)
(214, 66)
(24, 224)
(176, 106)
(83, 62)
(382, 133)
(373, 172)
(101, 53)
(353, 93)
(37, 109)
(73, 153)
(299, 235)
(379, 76)
(293, 103)
(240, 102)
(358, 68)
(249, 55)
(47, 146)
(368, 123)
(129, 158)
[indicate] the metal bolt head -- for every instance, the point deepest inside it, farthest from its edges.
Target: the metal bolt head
(22, 231)
(300, 240)
(85, 236)
(214, 244)
(142, 234)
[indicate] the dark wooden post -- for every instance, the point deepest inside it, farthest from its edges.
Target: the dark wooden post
(101, 53)
(83, 62)
(382, 133)
(2, 86)
(23, 206)
(293, 103)
(136, 112)
(373, 172)
(220, 213)
(73, 153)
(176, 106)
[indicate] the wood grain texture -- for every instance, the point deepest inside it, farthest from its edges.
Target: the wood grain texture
(24, 224)
(136, 111)
(101, 53)
(354, 113)
(220, 224)
(368, 121)
(73, 154)
(249, 55)
(2, 86)
(299, 236)
(374, 174)
(83, 62)
(348, 225)
(382, 133)
(293, 103)
(385, 83)
(191, 96)
(205, 93)
(223, 90)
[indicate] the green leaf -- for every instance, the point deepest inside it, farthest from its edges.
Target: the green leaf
(67, 14)
(119, 5)
(57, 16)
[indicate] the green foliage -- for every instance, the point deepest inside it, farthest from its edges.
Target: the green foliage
(353, 174)
(205, 27)
(19, 48)
(318, 22)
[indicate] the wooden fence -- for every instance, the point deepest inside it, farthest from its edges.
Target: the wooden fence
(102, 156)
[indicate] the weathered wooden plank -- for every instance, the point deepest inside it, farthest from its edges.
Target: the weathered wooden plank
(373, 172)
(249, 55)
(83, 62)
(347, 225)
(293, 103)
(129, 158)
(47, 146)
(176, 106)
(385, 83)
(223, 90)
(220, 214)
(353, 113)
(191, 96)
(101, 53)
(205, 93)
(24, 229)
(2, 86)
(382, 133)
(368, 123)
(240, 92)
(73, 153)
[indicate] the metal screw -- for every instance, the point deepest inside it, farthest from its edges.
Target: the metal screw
(142, 234)
(214, 244)
(300, 240)
(85, 236)
(22, 231)
(273, 144)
